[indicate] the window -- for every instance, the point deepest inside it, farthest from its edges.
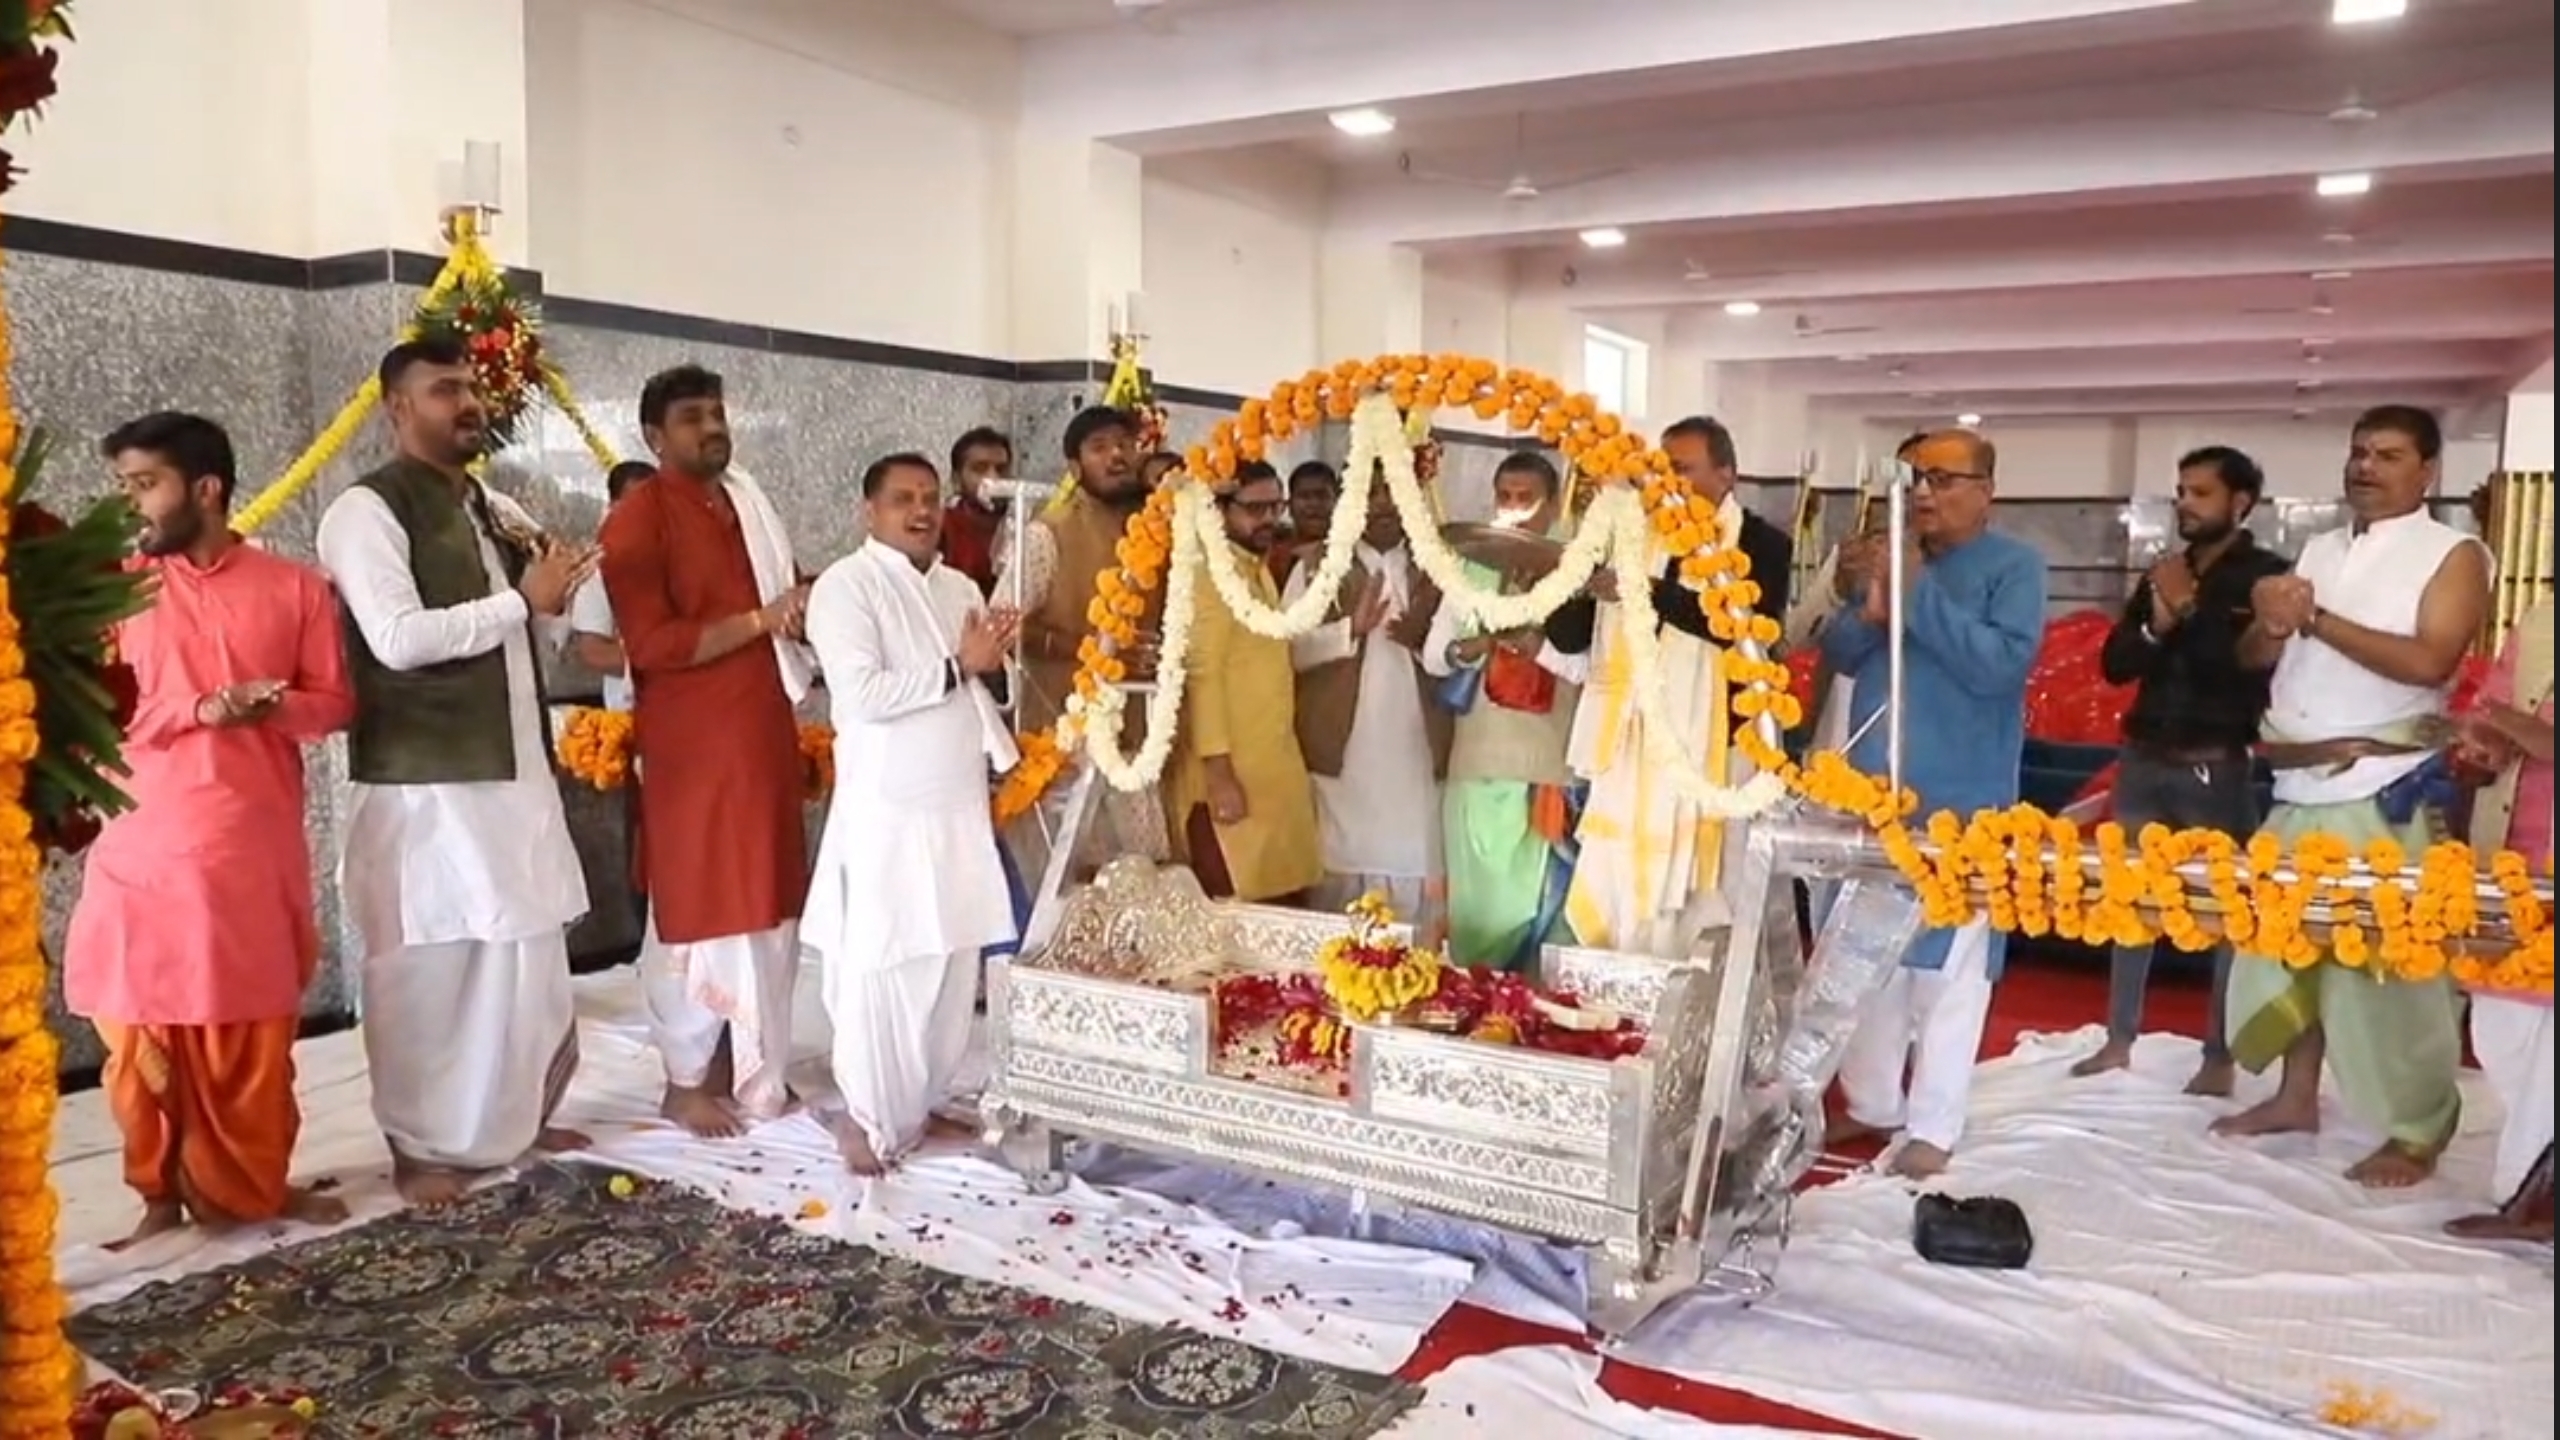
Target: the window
(1613, 371)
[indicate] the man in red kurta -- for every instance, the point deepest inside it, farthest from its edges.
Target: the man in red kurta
(194, 938)
(709, 600)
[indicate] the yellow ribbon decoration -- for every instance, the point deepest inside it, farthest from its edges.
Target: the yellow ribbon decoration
(468, 263)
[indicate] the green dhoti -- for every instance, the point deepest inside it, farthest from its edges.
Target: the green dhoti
(2394, 1045)
(1503, 899)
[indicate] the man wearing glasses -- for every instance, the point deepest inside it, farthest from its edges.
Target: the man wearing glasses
(1972, 610)
(1242, 810)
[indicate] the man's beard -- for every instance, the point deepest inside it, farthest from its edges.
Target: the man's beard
(175, 536)
(2204, 532)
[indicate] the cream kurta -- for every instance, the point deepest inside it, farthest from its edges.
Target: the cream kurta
(1381, 816)
(1241, 703)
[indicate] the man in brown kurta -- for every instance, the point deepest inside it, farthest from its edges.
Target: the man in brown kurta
(1064, 553)
(709, 602)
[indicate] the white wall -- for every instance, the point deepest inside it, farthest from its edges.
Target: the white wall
(168, 113)
(2104, 459)
(2527, 445)
(1232, 255)
(763, 164)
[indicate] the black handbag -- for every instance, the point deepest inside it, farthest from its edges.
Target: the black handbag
(1980, 1232)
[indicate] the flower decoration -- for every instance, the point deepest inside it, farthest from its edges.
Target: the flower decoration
(1372, 971)
(595, 746)
(1042, 761)
(27, 63)
(113, 1410)
(473, 303)
(71, 586)
(500, 330)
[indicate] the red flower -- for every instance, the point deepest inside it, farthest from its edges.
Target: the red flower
(124, 686)
(31, 521)
(26, 79)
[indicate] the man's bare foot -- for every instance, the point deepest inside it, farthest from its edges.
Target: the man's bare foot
(561, 1140)
(2393, 1166)
(1844, 1131)
(2110, 1056)
(159, 1217)
(702, 1112)
(2277, 1116)
(427, 1189)
(2496, 1229)
(307, 1206)
(1920, 1160)
(855, 1147)
(2214, 1079)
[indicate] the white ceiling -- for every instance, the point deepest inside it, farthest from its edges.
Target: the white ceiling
(2012, 206)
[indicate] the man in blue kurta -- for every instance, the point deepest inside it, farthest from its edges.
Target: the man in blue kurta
(1972, 610)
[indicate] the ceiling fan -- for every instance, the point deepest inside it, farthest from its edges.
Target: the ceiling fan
(1806, 329)
(1697, 272)
(1522, 187)
(2360, 106)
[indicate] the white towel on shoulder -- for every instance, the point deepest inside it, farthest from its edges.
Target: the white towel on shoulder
(777, 572)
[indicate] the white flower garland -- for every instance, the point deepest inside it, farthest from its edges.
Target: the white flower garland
(1097, 724)
(1614, 532)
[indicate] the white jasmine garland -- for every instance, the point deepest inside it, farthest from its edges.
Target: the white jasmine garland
(1097, 724)
(1640, 630)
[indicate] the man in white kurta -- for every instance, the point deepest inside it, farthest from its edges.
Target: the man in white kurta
(460, 892)
(1379, 812)
(909, 888)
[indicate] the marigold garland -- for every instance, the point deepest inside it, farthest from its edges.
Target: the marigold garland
(39, 1372)
(1370, 971)
(594, 746)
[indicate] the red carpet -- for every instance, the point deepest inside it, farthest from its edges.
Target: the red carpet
(2036, 994)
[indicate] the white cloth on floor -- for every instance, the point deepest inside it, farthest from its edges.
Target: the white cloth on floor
(1933, 1020)
(901, 1034)
(470, 1044)
(430, 864)
(686, 1026)
(2512, 1039)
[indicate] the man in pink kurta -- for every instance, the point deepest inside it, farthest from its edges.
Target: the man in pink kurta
(194, 935)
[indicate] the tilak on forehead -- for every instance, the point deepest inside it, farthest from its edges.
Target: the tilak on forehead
(1948, 451)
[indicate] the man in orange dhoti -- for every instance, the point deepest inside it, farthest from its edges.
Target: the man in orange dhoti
(193, 938)
(700, 572)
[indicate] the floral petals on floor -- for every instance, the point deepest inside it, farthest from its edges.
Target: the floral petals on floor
(576, 1301)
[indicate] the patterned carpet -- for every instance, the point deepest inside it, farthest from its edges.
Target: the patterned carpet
(577, 1303)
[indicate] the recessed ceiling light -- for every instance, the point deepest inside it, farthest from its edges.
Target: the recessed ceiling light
(2332, 277)
(2339, 238)
(2365, 12)
(2483, 435)
(2340, 187)
(1968, 419)
(1742, 309)
(1365, 124)
(1853, 359)
(2316, 341)
(1607, 237)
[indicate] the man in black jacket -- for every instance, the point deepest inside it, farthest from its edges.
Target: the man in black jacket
(2187, 738)
(1648, 876)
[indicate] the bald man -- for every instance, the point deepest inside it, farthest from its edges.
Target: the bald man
(1972, 608)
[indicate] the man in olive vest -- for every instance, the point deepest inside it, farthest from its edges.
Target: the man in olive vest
(458, 872)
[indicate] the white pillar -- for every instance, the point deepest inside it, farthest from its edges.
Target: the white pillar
(1078, 244)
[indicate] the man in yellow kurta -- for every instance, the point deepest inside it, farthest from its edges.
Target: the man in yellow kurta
(1241, 807)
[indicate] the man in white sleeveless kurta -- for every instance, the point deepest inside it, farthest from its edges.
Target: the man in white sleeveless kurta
(2365, 637)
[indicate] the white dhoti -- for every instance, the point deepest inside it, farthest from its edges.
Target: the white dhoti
(2512, 1040)
(484, 1045)
(1932, 1021)
(738, 984)
(901, 1035)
